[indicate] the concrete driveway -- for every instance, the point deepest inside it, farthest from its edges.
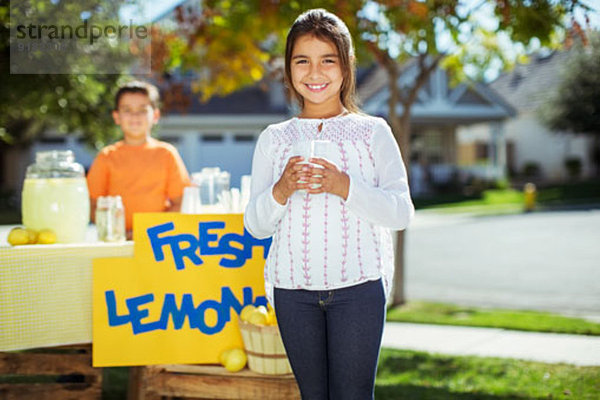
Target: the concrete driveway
(541, 261)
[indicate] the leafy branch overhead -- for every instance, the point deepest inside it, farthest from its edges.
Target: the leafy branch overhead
(575, 106)
(232, 44)
(79, 100)
(223, 45)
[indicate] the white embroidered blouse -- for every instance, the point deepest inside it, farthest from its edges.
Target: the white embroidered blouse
(321, 242)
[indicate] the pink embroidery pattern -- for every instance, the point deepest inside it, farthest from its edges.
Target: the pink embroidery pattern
(370, 153)
(295, 133)
(376, 244)
(277, 237)
(289, 240)
(266, 275)
(362, 174)
(359, 251)
(276, 247)
(305, 239)
(283, 159)
(325, 241)
(344, 212)
(373, 233)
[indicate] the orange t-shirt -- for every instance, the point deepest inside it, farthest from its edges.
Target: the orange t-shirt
(145, 176)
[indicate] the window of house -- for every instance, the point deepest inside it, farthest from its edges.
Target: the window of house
(52, 140)
(212, 138)
(244, 137)
(432, 146)
(481, 150)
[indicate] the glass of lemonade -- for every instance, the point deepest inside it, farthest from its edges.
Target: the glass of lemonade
(55, 196)
(312, 149)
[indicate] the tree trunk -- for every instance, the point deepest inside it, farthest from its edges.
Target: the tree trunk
(401, 128)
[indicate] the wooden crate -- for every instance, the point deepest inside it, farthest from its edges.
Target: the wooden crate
(64, 373)
(208, 382)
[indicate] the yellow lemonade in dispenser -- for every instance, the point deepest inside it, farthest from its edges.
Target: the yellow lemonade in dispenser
(60, 204)
(55, 196)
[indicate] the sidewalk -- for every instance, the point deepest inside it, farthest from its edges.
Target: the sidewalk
(490, 342)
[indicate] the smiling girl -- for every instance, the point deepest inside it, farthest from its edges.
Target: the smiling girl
(330, 266)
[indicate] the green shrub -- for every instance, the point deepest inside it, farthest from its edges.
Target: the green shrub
(573, 167)
(532, 169)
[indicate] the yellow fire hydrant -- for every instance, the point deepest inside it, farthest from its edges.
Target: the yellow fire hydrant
(530, 194)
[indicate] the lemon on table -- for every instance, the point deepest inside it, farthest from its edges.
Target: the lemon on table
(246, 311)
(46, 236)
(236, 360)
(223, 356)
(32, 235)
(18, 236)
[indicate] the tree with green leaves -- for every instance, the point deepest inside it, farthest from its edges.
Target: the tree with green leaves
(76, 98)
(231, 44)
(575, 106)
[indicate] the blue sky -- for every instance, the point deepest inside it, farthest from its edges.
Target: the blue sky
(150, 9)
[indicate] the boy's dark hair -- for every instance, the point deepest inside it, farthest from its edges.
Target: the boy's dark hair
(325, 26)
(139, 87)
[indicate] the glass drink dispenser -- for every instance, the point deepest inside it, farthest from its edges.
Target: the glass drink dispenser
(55, 196)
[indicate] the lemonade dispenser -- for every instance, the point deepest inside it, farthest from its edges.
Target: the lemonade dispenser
(55, 196)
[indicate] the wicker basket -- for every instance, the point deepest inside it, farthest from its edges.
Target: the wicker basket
(266, 354)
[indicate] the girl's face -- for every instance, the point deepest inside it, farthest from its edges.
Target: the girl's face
(316, 73)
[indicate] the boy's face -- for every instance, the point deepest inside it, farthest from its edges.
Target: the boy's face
(135, 116)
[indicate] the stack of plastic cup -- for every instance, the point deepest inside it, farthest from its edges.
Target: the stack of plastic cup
(191, 200)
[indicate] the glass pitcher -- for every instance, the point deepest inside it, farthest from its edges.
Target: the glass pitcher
(55, 196)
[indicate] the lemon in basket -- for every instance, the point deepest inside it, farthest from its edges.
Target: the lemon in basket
(259, 316)
(246, 311)
(235, 360)
(271, 319)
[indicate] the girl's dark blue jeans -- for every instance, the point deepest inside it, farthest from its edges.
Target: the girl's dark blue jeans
(332, 339)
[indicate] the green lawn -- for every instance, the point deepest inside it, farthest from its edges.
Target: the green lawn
(415, 375)
(493, 201)
(511, 201)
(449, 314)
(573, 193)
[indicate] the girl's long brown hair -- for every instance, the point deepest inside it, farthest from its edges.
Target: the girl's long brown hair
(325, 26)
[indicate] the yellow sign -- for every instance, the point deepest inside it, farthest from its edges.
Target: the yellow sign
(176, 301)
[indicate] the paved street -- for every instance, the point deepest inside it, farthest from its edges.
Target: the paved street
(542, 260)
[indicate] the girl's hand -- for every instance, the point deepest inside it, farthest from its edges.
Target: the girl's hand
(288, 183)
(330, 179)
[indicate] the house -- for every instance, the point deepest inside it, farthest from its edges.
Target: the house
(436, 116)
(533, 150)
(223, 131)
(220, 133)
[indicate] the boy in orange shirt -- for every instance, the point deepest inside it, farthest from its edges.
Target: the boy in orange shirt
(148, 174)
